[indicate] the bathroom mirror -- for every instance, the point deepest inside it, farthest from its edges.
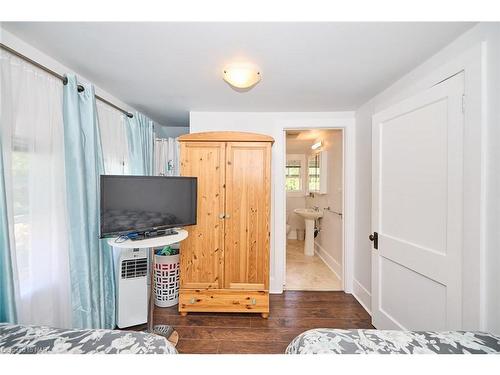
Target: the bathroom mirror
(317, 172)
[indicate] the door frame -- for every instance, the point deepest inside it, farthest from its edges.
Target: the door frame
(343, 201)
(473, 63)
(451, 91)
(349, 192)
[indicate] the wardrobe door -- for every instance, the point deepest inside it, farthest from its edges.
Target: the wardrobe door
(247, 215)
(202, 252)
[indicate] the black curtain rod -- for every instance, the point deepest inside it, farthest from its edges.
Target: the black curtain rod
(64, 79)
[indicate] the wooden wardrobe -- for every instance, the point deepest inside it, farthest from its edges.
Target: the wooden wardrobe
(224, 262)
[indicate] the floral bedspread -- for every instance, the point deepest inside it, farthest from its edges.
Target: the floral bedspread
(19, 339)
(364, 341)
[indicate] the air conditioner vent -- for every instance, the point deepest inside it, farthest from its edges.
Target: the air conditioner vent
(132, 268)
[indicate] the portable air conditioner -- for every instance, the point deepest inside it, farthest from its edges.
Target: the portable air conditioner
(131, 270)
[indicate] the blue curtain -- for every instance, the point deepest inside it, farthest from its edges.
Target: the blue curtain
(140, 136)
(7, 295)
(91, 259)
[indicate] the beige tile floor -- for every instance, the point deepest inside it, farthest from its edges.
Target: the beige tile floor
(307, 272)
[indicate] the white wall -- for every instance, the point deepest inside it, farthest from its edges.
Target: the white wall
(328, 243)
(481, 165)
(273, 124)
(170, 131)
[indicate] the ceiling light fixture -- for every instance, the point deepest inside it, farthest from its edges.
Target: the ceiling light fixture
(317, 145)
(241, 76)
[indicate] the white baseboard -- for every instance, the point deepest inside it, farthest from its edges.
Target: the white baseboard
(335, 266)
(292, 235)
(363, 296)
(274, 289)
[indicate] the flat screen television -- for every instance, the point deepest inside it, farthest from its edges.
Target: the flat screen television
(131, 204)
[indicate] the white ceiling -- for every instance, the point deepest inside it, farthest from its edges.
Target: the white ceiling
(300, 142)
(168, 69)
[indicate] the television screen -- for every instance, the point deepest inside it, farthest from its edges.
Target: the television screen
(143, 203)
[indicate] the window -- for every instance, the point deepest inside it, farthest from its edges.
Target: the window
(20, 205)
(112, 126)
(293, 175)
(33, 151)
(295, 172)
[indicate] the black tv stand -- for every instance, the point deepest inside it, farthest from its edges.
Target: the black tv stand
(153, 234)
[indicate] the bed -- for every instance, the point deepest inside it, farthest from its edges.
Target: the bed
(21, 339)
(365, 341)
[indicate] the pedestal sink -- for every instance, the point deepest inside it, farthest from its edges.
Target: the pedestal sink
(309, 216)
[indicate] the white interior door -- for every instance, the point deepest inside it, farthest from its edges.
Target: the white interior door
(417, 214)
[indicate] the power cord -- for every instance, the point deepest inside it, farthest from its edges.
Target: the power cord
(121, 238)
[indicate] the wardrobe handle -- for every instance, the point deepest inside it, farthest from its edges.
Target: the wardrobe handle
(221, 216)
(227, 216)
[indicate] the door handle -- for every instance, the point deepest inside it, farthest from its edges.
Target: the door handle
(374, 238)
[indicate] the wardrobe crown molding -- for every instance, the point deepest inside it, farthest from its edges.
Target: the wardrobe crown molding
(225, 136)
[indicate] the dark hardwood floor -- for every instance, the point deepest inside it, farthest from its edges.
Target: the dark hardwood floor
(291, 314)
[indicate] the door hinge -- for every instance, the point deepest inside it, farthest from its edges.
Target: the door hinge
(374, 238)
(463, 103)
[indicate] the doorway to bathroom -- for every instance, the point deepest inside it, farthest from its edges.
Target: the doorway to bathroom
(314, 184)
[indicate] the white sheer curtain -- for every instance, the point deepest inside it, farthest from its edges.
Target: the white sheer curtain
(32, 136)
(167, 153)
(113, 139)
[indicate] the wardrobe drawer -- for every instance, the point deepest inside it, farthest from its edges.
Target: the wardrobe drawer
(209, 300)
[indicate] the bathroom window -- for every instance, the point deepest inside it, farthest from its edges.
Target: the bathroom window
(293, 182)
(294, 174)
